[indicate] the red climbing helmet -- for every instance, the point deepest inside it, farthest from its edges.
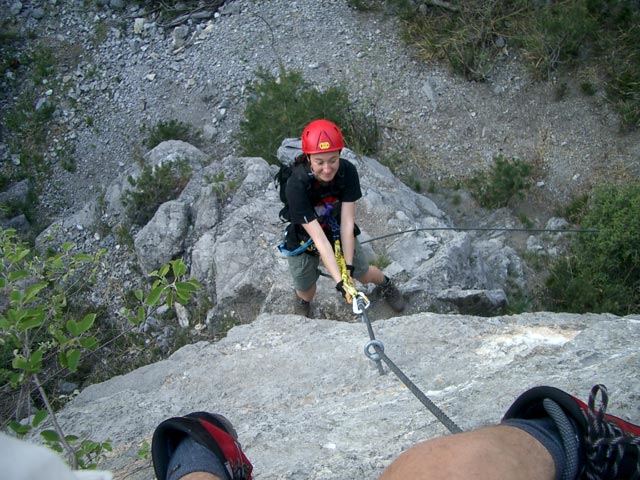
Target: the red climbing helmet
(321, 136)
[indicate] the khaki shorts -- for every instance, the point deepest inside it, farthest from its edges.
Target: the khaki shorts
(304, 267)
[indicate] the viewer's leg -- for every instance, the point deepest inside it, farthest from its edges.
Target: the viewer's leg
(200, 476)
(499, 452)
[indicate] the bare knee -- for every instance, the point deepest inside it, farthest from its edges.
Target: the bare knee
(490, 453)
(372, 275)
(307, 295)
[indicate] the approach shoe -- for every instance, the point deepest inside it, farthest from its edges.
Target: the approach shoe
(213, 431)
(392, 295)
(596, 445)
(301, 307)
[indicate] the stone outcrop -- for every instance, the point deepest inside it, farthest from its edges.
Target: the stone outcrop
(308, 404)
(225, 226)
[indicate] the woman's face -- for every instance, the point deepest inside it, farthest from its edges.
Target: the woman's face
(324, 166)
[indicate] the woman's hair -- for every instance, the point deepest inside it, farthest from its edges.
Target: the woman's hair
(302, 158)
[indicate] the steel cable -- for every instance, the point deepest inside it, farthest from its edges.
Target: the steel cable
(380, 355)
(483, 229)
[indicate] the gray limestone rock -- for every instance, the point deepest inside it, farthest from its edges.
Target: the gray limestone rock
(225, 226)
(162, 239)
(308, 404)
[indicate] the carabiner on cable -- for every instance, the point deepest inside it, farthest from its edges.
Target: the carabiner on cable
(360, 303)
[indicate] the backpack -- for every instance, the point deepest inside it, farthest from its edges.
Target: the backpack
(280, 181)
(289, 150)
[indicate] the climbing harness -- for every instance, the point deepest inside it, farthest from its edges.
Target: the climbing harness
(374, 350)
(297, 251)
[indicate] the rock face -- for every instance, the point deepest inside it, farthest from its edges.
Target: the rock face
(225, 226)
(308, 404)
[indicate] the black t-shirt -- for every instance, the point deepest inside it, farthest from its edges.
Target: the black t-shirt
(309, 199)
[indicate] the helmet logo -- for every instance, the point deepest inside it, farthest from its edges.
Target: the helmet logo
(324, 145)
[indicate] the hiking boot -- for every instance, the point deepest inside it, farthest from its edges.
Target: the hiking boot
(392, 295)
(596, 445)
(211, 431)
(301, 307)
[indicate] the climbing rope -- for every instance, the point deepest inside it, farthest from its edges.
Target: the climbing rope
(347, 282)
(374, 350)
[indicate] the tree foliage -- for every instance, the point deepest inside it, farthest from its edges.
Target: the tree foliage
(602, 271)
(153, 187)
(42, 336)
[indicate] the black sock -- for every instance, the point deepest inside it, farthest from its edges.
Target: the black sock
(191, 456)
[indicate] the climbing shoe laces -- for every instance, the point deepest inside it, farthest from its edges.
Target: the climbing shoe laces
(595, 445)
(611, 445)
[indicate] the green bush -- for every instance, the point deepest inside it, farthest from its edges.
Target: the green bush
(44, 334)
(27, 114)
(153, 187)
(222, 188)
(506, 179)
(381, 261)
(280, 107)
(575, 211)
(171, 130)
(602, 271)
(557, 34)
(469, 35)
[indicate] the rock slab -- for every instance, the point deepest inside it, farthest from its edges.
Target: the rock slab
(308, 404)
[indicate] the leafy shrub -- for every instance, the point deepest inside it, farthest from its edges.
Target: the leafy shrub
(43, 336)
(560, 33)
(153, 187)
(468, 35)
(26, 117)
(280, 107)
(222, 188)
(42, 331)
(576, 210)
(171, 130)
(505, 180)
(602, 271)
(381, 261)
(43, 63)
